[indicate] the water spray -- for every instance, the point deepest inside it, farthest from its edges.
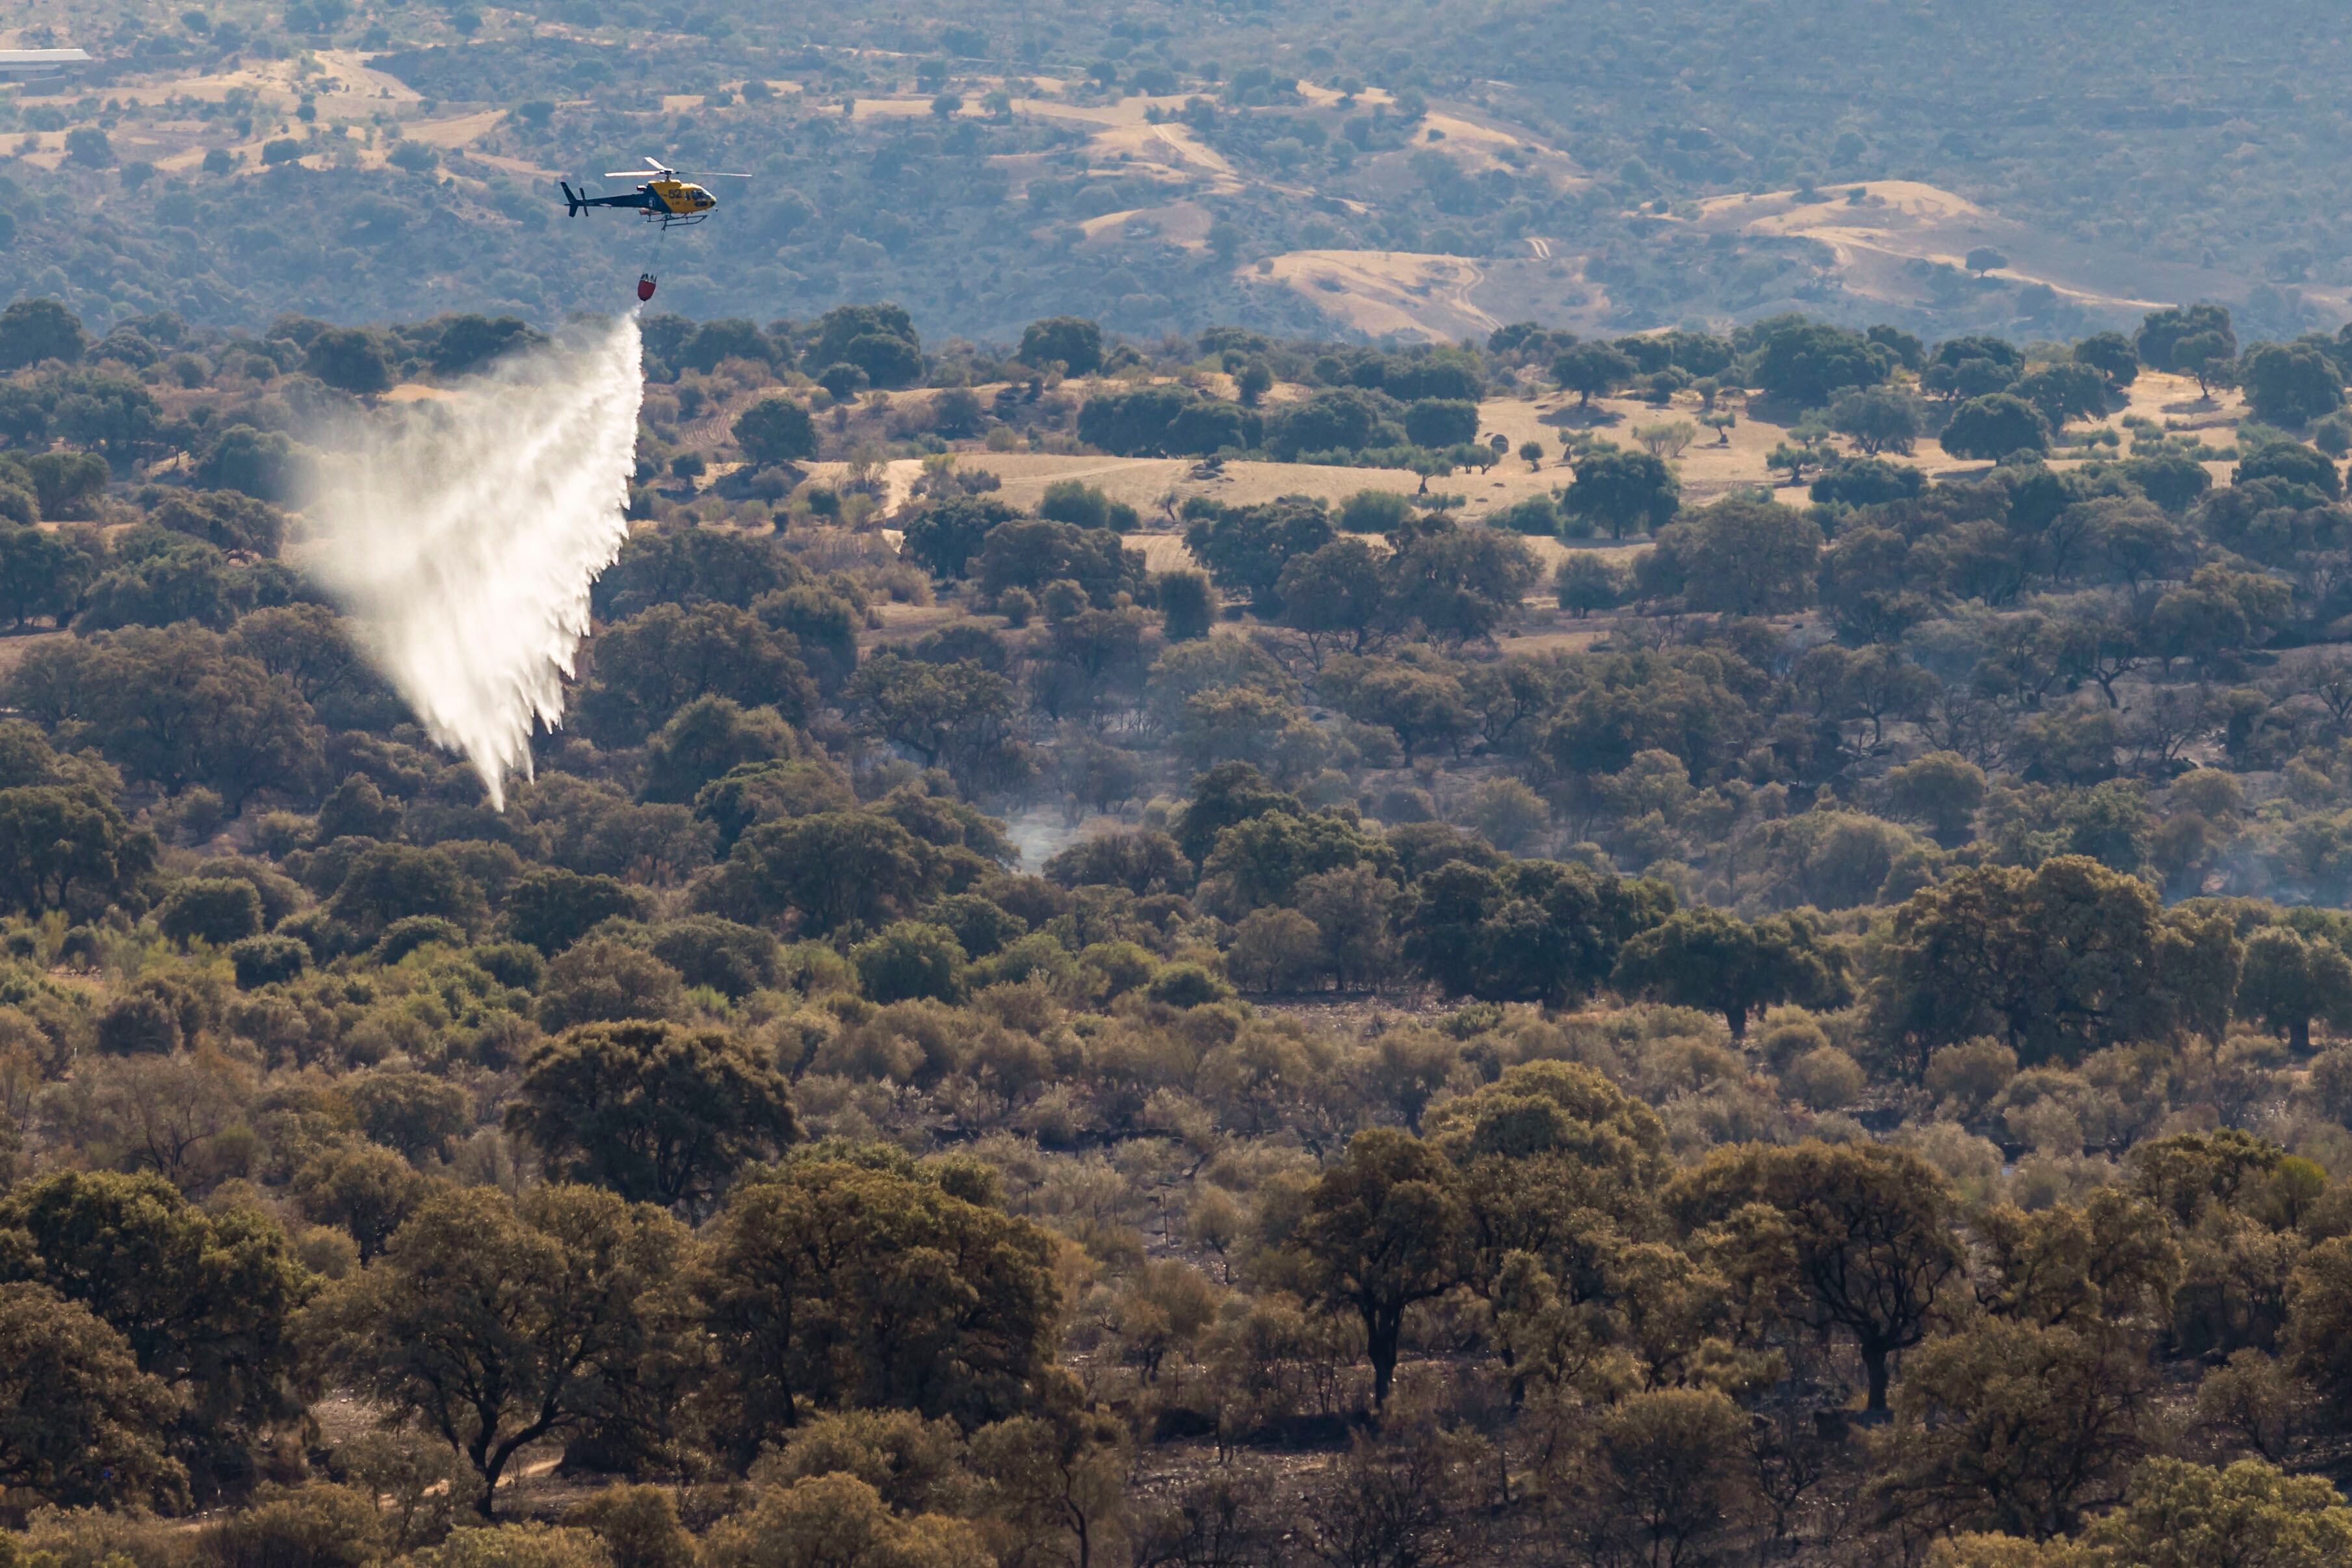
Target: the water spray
(461, 536)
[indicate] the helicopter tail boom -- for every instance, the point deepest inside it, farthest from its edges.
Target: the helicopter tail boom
(574, 203)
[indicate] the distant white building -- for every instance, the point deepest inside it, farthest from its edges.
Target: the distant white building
(40, 62)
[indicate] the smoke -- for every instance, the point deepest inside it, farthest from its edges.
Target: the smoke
(461, 535)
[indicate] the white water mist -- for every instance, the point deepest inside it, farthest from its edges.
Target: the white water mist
(461, 535)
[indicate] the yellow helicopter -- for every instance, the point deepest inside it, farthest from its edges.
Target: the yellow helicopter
(664, 198)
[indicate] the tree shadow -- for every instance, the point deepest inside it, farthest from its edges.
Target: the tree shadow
(1781, 411)
(1582, 417)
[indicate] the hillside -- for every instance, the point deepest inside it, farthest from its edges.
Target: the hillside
(1129, 175)
(1163, 950)
(1248, 785)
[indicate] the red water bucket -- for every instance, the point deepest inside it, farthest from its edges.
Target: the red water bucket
(646, 286)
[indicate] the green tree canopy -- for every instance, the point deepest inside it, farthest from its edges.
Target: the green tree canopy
(2057, 961)
(207, 1302)
(2180, 1515)
(35, 329)
(2112, 355)
(1703, 958)
(2161, 335)
(552, 908)
(945, 535)
(1382, 1229)
(1867, 1233)
(1589, 368)
(1072, 341)
(652, 664)
(2288, 980)
(1805, 362)
(871, 337)
(80, 1425)
(1739, 556)
(830, 869)
(350, 359)
(1247, 548)
(1992, 426)
(657, 1112)
(776, 430)
(851, 1279)
(957, 715)
(67, 847)
(2292, 384)
(2014, 1427)
(1623, 492)
(496, 1324)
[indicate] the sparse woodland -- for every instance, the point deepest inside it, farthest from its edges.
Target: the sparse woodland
(1799, 1020)
(985, 166)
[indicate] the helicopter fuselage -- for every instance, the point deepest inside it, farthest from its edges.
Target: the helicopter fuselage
(665, 202)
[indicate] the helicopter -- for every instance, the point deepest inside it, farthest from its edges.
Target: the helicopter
(663, 199)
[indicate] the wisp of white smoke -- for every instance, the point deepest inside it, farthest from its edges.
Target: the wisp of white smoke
(461, 536)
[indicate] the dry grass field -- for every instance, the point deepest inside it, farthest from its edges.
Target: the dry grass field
(1709, 466)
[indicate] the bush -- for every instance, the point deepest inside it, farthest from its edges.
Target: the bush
(1118, 966)
(1824, 1079)
(1275, 950)
(1537, 516)
(1071, 500)
(730, 959)
(1188, 605)
(601, 981)
(268, 960)
(514, 964)
(1441, 422)
(217, 910)
(908, 960)
(1374, 511)
(1989, 428)
(318, 1526)
(404, 936)
(529, 1545)
(1187, 985)
(776, 430)
(552, 908)
(139, 1023)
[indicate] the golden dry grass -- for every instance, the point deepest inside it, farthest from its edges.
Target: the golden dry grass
(1385, 293)
(1874, 241)
(1708, 468)
(1142, 481)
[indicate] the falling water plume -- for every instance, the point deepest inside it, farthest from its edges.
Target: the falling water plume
(461, 536)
